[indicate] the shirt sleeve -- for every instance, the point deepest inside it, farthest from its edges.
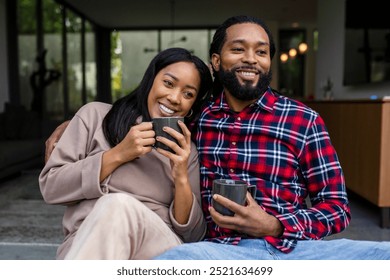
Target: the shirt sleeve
(70, 175)
(329, 212)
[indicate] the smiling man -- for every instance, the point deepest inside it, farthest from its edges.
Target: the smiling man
(250, 132)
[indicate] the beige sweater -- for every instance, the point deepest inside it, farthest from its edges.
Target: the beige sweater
(71, 178)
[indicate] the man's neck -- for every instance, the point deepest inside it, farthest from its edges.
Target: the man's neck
(235, 104)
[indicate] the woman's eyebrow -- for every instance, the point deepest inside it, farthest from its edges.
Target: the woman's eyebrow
(176, 79)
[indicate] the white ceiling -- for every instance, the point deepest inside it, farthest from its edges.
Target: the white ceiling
(124, 14)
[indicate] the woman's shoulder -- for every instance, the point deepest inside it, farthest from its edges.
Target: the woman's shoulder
(93, 109)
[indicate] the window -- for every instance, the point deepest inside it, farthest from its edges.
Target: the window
(132, 52)
(292, 50)
(56, 72)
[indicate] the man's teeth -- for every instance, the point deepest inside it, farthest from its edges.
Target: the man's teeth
(247, 73)
(166, 109)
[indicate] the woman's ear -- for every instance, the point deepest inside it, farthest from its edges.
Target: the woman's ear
(215, 61)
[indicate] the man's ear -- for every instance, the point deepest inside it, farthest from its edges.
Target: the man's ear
(215, 61)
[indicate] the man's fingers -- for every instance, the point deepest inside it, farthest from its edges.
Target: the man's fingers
(231, 205)
(48, 151)
(53, 139)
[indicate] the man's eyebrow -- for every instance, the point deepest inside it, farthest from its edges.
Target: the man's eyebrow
(241, 41)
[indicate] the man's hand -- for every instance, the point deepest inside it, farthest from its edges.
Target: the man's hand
(250, 219)
(53, 139)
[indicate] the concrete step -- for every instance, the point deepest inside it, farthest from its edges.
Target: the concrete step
(29, 228)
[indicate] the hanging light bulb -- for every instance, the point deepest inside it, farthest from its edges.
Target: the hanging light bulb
(292, 52)
(283, 57)
(302, 47)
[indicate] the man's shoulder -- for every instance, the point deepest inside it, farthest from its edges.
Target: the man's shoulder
(288, 103)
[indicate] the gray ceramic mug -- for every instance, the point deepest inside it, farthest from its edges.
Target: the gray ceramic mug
(234, 190)
(159, 123)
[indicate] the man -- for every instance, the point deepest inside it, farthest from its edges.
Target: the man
(250, 132)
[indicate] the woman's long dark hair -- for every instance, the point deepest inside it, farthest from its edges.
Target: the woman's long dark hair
(127, 109)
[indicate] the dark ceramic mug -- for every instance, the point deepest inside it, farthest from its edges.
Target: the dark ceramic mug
(234, 190)
(159, 123)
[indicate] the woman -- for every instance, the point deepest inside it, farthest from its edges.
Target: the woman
(126, 200)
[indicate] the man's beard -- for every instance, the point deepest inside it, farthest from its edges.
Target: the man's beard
(245, 91)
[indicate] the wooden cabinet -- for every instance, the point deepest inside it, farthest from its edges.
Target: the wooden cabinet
(360, 132)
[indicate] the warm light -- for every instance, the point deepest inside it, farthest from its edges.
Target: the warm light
(295, 24)
(302, 47)
(292, 52)
(283, 57)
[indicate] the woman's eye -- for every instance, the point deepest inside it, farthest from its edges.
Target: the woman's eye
(189, 95)
(168, 83)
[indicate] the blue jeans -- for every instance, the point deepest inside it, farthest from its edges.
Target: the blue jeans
(259, 249)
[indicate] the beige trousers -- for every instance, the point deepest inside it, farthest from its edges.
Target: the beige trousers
(120, 227)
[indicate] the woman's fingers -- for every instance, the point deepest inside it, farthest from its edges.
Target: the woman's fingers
(183, 138)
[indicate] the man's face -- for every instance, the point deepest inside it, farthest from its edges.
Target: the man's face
(244, 63)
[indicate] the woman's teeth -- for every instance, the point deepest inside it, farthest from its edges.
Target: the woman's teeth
(166, 109)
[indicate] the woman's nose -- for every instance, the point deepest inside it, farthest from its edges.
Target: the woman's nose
(174, 96)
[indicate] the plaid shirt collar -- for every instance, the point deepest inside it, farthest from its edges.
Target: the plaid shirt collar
(266, 102)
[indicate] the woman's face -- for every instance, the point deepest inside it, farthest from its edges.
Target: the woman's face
(174, 90)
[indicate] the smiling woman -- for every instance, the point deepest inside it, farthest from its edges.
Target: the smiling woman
(121, 182)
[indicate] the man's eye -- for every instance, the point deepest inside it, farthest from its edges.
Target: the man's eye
(262, 52)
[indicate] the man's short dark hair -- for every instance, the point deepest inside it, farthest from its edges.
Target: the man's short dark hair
(220, 34)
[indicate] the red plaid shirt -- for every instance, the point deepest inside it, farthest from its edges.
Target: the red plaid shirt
(282, 147)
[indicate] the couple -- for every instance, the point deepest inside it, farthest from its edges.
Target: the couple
(143, 203)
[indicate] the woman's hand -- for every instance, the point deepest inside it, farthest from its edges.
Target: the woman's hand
(179, 159)
(137, 142)
(179, 164)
